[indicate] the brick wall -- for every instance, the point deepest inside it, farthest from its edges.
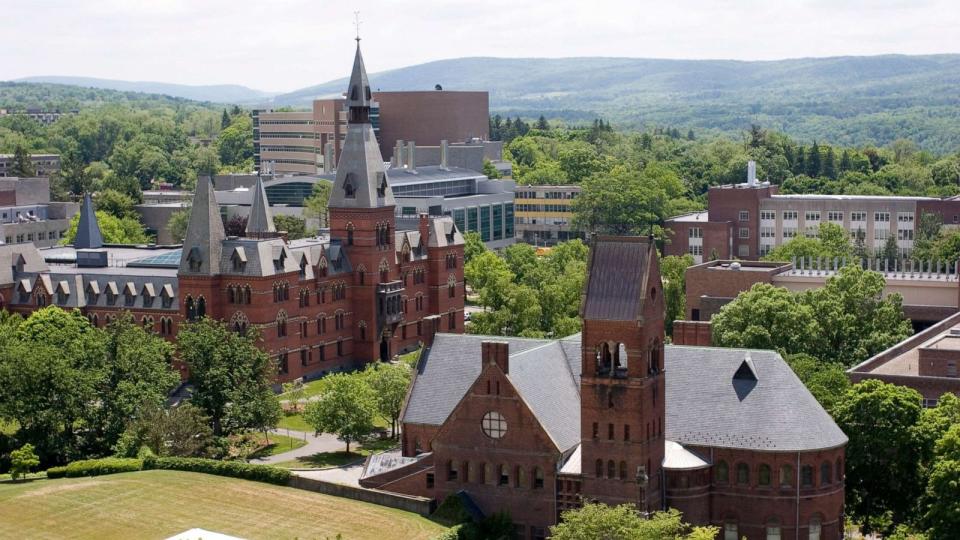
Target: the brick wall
(695, 333)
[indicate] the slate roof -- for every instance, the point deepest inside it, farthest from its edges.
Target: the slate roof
(778, 413)
(88, 230)
(260, 220)
(775, 413)
(205, 234)
(539, 370)
(616, 278)
(13, 254)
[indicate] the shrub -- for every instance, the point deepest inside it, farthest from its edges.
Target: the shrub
(56, 472)
(235, 469)
(98, 467)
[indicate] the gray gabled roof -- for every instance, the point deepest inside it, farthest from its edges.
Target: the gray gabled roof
(539, 370)
(205, 232)
(260, 220)
(705, 405)
(712, 401)
(88, 230)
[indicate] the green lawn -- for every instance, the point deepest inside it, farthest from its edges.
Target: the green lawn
(158, 504)
(294, 422)
(338, 459)
(279, 444)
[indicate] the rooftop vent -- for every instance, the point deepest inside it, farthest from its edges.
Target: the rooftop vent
(735, 266)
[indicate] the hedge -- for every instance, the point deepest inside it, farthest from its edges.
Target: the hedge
(95, 467)
(235, 469)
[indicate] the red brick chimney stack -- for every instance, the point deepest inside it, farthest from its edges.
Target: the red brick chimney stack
(496, 352)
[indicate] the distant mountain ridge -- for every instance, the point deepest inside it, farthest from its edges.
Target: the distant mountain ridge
(852, 100)
(219, 93)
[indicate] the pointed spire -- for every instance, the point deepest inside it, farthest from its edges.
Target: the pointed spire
(202, 246)
(260, 221)
(361, 177)
(358, 91)
(88, 230)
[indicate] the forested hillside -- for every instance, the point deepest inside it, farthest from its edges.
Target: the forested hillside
(843, 100)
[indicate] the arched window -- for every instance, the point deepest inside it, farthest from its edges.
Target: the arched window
(826, 473)
(363, 331)
(349, 187)
(488, 474)
(451, 470)
(282, 324)
(537, 478)
(722, 472)
(763, 476)
(814, 529)
(190, 308)
(599, 468)
(231, 295)
(773, 529)
(604, 359)
(384, 271)
(354, 93)
(786, 475)
(286, 291)
(96, 320)
(653, 366)
(611, 469)
(806, 476)
(730, 530)
(452, 286)
(201, 307)
(743, 474)
(623, 470)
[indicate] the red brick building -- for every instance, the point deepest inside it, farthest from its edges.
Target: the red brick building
(926, 361)
(362, 292)
(747, 220)
(532, 427)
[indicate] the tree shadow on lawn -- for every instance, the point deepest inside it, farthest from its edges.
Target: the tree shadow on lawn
(323, 460)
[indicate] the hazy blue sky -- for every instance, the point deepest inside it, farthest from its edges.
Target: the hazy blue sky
(288, 44)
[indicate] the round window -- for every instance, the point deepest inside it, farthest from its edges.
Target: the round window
(494, 425)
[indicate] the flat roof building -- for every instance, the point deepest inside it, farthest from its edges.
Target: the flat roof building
(926, 361)
(28, 216)
(45, 164)
(545, 214)
(748, 220)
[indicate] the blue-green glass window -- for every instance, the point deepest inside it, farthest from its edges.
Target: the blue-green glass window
(409, 210)
(472, 219)
(485, 223)
(291, 194)
(498, 222)
(508, 219)
(460, 218)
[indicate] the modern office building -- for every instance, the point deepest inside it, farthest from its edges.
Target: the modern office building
(296, 142)
(545, 214)
(45, 164)
(748, 220)
(367, 289)
(533, 427)
(431, 116)
(28, 216)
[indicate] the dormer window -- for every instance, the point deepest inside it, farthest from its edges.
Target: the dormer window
(194, 259)
(381, 185)
(349, 187)
(354, 93)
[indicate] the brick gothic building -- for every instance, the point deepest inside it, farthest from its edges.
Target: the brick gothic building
(367, 290)
(532, 427)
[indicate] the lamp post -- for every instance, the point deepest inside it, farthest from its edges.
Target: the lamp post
(643, 480)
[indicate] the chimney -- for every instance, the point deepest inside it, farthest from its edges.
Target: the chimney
(423, 226)
(443, 154)
(398, 154)
(411, 157)
(430, 326)
(496, 352)
(328, 157)
(751, 173)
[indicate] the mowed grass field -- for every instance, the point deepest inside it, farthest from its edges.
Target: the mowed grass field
(159, 504)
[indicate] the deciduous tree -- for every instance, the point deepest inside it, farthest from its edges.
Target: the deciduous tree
(346, 407)
(389, 383)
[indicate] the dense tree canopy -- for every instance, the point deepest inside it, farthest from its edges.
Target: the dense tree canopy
(624, 522)
(115, 230)
(846, 321)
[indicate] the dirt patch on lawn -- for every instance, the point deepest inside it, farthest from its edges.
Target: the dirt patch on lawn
(55, 487)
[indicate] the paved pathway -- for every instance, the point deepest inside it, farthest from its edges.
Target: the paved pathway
(315, 444)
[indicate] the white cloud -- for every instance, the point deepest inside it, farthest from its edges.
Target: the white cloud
(288, 44)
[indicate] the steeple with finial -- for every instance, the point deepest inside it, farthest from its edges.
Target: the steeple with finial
(260, 221)
(88, 230)
(361, 176)
(203, 244)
